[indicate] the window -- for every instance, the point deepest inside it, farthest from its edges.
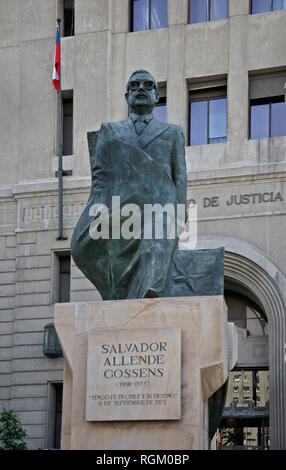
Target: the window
(64, 278)
(149, 14)
(54, 417)
(208, 121)
(68, 15)
(207, 10)
(262, 6)
(267, 118)
(267, 106)
(160, 110)
(67, 123)
(61, 270)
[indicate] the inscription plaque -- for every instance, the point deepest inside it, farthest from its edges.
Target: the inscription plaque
(134, 375)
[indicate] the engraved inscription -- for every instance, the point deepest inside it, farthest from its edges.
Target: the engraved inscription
(36, 213)
(143, 360)
(237, 199)
(44, 215)
(134, 375)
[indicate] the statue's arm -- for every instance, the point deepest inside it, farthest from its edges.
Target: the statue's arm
(179, 173)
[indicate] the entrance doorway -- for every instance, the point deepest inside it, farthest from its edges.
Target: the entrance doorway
(245, 419)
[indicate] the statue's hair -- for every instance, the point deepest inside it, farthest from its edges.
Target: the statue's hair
(141, 71)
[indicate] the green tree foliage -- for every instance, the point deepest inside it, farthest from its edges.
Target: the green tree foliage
(12, 434)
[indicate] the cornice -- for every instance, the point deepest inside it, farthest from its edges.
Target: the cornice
(215, 176)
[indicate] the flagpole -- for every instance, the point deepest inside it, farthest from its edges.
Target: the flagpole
(60, 150)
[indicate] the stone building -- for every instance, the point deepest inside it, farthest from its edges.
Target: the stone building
(221, 72)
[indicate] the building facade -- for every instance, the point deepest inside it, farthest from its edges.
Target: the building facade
(221, 73)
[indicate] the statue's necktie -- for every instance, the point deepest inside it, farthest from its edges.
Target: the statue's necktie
(140, 126)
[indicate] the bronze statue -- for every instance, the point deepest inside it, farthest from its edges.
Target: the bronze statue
(142, 161)
(139, 163)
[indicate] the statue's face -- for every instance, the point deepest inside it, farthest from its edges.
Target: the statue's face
(142, 94)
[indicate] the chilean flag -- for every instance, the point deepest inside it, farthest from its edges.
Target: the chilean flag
(56, 70)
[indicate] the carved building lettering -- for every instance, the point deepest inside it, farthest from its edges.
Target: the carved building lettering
(239, 199)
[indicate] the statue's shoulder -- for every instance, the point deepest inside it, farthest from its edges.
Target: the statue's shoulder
(105, 128)
(176, 130)
(110, 124)
(114, 126)
(117, 125)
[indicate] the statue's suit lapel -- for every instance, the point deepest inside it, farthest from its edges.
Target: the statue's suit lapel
(125, 131)
(130, 131)
(151, 132)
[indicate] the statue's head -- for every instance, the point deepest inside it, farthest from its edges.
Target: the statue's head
(142, 92)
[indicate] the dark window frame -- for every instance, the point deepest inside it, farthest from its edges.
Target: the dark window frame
(68, 26)
(262, 101)
(58, 414)
(56, 276)
(67, 99)
(209, 13)
(54, 414)
(162, 101)
(208, 95)
(62, 257)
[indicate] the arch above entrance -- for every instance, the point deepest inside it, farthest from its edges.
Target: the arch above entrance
(249, 267)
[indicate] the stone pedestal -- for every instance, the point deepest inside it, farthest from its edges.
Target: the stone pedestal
(138, 373)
